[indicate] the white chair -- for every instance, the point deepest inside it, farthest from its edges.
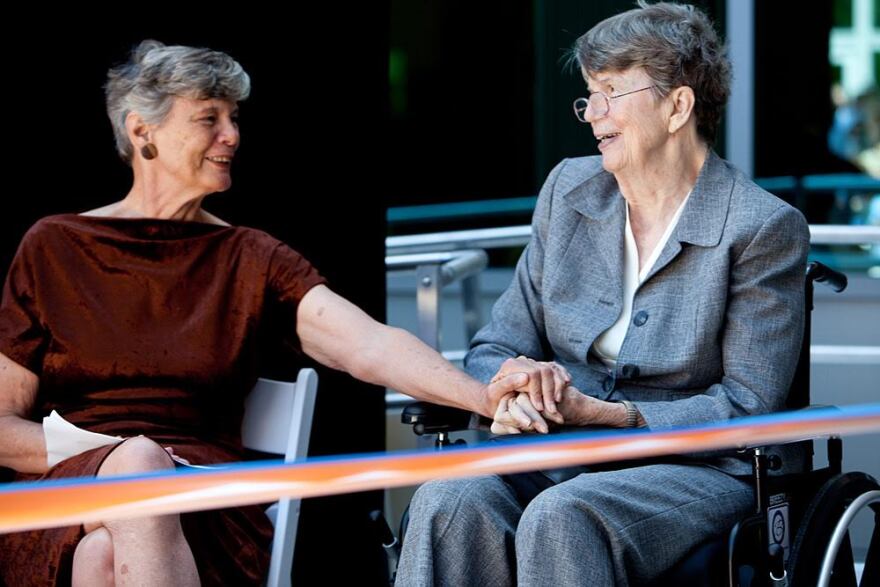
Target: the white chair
(278, 420)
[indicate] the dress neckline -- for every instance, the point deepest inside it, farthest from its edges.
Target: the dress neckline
(144, 219)
(143, 228)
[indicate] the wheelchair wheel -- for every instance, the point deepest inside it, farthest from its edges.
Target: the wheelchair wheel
(817, 526)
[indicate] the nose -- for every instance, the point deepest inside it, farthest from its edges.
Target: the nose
(590, 114)
(230, 135)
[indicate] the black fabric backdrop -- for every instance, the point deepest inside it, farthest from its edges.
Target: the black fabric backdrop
(310, 171)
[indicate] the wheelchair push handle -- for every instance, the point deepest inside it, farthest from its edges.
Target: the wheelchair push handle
(820, 273)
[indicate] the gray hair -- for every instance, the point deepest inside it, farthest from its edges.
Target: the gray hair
(156, 73)
(675, 44)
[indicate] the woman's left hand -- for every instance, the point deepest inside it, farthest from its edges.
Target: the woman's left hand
(516, 413)
(580, 409)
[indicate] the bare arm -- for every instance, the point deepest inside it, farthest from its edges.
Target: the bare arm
(22, 445)
(338, 334)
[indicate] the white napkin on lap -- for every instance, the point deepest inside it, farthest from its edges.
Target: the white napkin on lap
(64, 440)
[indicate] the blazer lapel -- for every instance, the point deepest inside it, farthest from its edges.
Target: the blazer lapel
(597, 249)
(702, 221)
(600, 202)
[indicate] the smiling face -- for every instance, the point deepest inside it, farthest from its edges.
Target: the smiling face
(635, 127)
(196, 144)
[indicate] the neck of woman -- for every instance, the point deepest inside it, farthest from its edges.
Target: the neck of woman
(153, 201)
(656, 190)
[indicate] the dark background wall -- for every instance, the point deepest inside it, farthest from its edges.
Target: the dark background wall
(481, 98)
(461, 94)
(793, 108)
(310, 171)
(481, 95)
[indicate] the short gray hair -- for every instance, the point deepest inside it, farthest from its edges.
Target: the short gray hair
(675, 44)
(156, 73)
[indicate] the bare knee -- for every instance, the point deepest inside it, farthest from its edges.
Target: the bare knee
(93, 559)
(136, 455)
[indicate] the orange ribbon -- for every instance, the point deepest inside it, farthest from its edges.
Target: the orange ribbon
(74, 501)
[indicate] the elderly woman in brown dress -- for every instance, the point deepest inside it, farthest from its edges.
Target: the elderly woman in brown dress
(142, 319)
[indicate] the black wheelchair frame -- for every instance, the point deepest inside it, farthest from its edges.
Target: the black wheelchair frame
(753, 552)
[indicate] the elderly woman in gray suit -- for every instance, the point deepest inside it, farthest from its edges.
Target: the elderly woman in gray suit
(661, 288)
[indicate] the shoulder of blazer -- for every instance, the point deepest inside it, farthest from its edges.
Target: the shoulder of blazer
(576, 171)
(751, 205)
(584, 185)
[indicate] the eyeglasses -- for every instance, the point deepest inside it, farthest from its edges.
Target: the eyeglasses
(599, 102)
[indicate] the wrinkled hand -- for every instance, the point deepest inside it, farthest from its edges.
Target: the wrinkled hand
(580, 409)
(501, 387)
(546, 383)
(516, 414)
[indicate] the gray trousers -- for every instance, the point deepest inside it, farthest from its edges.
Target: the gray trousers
(601, 528)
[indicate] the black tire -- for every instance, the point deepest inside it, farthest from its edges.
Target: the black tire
(818, 523)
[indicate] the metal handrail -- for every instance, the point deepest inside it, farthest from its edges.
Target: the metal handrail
(836, 182)
(454, 265)
(839, 184)
(518, 236)
(839, 354)
(482, 238)
(843, 234)
(434, 271)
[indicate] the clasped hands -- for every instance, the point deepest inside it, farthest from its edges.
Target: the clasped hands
(547, 396)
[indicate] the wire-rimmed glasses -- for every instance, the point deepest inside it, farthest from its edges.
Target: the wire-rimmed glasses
(599, 102)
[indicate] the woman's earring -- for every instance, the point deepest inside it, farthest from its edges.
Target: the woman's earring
(149, 151)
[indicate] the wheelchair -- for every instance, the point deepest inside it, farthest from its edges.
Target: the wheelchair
(797, 535)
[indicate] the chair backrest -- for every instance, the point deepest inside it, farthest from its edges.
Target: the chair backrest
(278, 415)
(278, 420)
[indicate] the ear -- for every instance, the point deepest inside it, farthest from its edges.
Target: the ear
(138, 130)
(682, 100)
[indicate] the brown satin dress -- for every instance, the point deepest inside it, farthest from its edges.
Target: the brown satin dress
(154, 327)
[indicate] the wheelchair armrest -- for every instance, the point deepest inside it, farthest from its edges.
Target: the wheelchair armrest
(428, 418)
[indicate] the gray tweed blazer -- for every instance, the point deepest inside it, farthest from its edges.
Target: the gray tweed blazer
(716, 327)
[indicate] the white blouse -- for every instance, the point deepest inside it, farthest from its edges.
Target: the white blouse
(607, 345)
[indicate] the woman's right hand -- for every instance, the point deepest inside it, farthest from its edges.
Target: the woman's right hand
(547, 381)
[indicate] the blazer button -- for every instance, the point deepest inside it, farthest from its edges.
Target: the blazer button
(608, 384)
(640, 318)
(630, 371)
